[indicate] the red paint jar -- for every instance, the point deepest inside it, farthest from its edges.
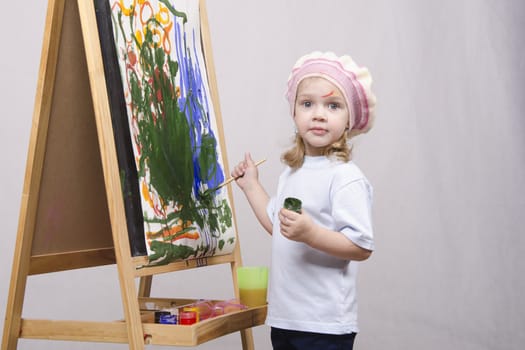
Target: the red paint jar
(187, 317)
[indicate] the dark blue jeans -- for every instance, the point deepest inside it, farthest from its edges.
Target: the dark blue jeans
(283, 339)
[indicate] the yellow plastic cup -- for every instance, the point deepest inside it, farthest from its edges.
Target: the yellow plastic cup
(253, 285)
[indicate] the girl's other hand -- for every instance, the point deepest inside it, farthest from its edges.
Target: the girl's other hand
(296, 227)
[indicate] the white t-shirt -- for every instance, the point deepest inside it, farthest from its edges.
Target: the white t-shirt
(310, 290)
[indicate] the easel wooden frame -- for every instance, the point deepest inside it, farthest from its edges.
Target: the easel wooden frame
(96, 150)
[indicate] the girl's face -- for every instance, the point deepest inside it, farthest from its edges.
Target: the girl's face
(321, 114)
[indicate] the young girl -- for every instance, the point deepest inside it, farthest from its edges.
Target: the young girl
(315, 252)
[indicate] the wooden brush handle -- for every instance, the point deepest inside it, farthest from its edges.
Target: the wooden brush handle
(235, 178)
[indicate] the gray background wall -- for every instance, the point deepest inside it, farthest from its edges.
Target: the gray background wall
(446, 158)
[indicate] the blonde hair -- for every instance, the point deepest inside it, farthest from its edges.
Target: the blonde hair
(340, 150)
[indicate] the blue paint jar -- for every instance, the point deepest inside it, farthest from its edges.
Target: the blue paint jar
(159, 314)
(168, 319)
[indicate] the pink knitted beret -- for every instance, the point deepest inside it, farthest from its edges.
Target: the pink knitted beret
(353, 81)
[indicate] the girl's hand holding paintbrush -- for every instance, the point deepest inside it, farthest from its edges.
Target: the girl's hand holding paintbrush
(233, 178)
(245, 173)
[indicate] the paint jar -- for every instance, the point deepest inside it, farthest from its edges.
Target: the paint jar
(293, 204)
(194, 309)
(253, 283)
(205, 309)
(159, 314)
(228, 306)
(187, 317)
(168, 319)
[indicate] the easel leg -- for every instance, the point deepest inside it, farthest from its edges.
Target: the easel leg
(145, 286)
(112, 181)
(247, 339)
(24, 240)
(13, 317)
(246, 334)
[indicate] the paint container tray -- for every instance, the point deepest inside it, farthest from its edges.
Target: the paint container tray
(236, 319)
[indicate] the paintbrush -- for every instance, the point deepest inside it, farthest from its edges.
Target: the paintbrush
(231, 179)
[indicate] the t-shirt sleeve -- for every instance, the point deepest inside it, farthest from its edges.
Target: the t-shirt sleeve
(352, 212)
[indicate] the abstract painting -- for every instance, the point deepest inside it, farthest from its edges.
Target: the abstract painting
(165, 127)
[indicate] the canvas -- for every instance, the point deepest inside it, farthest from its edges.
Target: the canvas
(166, 129)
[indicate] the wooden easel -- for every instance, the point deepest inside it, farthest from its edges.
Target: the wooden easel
(72, 213)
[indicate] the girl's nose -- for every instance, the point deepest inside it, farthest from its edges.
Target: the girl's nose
(319, 113)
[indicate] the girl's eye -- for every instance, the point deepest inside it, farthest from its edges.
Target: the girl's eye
(333, 105)
(307, 104)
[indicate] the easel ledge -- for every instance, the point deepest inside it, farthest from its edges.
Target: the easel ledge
(66, 261)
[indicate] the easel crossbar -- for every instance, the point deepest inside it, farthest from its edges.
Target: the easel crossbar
(71, 260)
